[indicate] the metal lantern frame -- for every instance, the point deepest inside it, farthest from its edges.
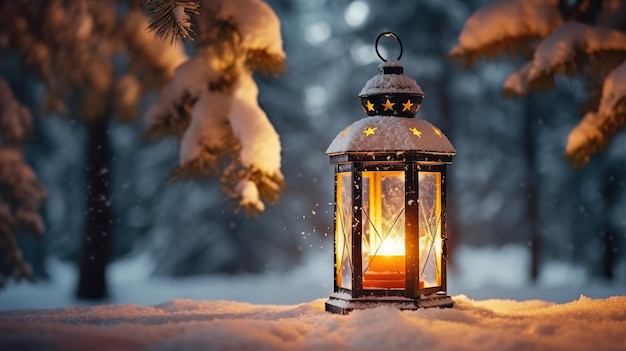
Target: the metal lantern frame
(355, 160)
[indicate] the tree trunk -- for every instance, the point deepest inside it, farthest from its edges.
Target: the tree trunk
(610, 235)
(92, 282)
(530, 187)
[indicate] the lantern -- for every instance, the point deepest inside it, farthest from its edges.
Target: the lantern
(390, 200)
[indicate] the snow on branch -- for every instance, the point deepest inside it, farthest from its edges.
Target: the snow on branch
(170, 19)
(517, 82)
(506, 26)
(170, 114)
(152, 58)
(596, 129)
(572, 49)
(575, 48)
(258, 29)
(149, 51)
(567, 38)
(212, 102)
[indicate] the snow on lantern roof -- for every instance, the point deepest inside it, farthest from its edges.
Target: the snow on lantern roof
(384, 83)
(389, 134)
(391, 100)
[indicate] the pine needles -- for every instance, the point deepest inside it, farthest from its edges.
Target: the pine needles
(170, 19)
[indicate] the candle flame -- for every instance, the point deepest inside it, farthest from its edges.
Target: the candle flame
(391, 247)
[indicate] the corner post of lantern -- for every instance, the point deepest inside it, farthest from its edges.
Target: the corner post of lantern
(357, 229)
(444, 231)
(390, 219)
(411, 230)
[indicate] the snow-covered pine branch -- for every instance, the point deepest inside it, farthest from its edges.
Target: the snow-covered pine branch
(74, 48)
(21, 194)
(152, 58)
(597, 128)
(212, 101)
(572, 49)
(506, 26)
(589, 44)
(171, 19)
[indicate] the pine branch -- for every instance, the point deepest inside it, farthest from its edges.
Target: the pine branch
(597, 63)
(517, 82)
(8, 229)
(21, 196)
(511, 47)
(270, 186)
(574, 49)
(170, 19)
(15, 119)
(486, 36)
(151, 58)
(209, 161)
(594, 133)
(170, 125)
(265, 62)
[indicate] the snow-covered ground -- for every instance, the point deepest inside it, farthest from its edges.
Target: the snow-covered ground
(480, 273)
(285, 311)
(584, 324)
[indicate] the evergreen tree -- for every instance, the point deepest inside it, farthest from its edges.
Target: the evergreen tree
(72, 46)
(97, 59)
(583, 38)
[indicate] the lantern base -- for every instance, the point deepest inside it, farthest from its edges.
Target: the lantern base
(342, 303)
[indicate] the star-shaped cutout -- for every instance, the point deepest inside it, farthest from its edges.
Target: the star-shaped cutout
(407, 105)
(345, 131)
(370, 106)
(416, 132)
(369, 131)
(388, 105)
(437, 131)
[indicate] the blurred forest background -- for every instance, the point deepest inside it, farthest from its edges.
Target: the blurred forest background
(510, 181)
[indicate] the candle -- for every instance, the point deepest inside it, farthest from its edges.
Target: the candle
(384, 272)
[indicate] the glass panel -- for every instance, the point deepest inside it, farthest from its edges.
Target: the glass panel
(383, 230)
(430, 228)
(343, 232)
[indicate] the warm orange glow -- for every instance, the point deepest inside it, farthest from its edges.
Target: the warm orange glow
(430, 241)
(391, 247)
(384, 240)
(343, 219)
(385, 272)
(386, 267)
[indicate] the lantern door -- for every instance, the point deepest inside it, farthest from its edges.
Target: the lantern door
(343, 229)
(383, 236)
(431, 230)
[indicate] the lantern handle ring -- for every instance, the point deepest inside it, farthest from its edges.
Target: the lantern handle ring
(388, 35)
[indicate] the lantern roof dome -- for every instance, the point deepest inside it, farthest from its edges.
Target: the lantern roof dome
(388, 134)
(391, 93)
(391, 80)
(391, 100)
